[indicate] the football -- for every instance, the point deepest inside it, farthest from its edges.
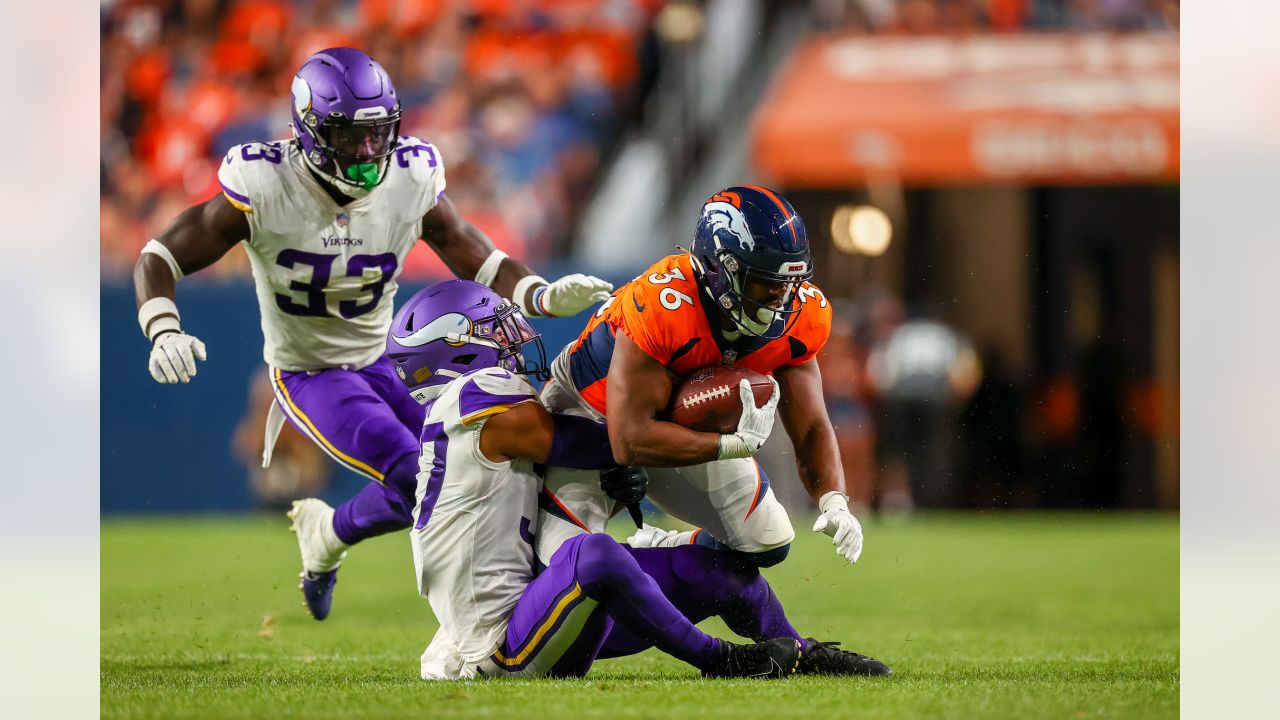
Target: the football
(708, 399)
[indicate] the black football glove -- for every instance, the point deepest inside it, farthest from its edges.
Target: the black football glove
(624, 483)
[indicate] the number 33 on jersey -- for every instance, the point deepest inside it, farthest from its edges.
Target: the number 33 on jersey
(325, 273)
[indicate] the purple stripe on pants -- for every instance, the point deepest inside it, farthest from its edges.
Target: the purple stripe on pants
(597, 568)
(536, 607)
(366, 415)
(367, 421)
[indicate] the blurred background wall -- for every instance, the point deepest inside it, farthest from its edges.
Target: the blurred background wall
(990, 186)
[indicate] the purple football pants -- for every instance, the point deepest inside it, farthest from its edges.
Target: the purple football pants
(367, 421)
(598, 599)
(701, 583)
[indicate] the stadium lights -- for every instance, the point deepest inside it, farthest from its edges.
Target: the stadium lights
(861, 230)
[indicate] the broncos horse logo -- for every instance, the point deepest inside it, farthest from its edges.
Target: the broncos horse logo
(724, 214)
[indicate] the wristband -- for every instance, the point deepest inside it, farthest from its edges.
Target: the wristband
(488, 271)
(154, 247)
(732, 447)
(158, 315)
(522, 289)
(539, 300)
(832, 500)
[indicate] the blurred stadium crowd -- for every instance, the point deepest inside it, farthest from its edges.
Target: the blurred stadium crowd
(525, 98)
(924, 17)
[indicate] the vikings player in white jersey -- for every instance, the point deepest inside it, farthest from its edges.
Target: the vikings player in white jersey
(327, 220)
(464, 352)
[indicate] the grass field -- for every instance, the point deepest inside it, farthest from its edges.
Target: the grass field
(981, 616)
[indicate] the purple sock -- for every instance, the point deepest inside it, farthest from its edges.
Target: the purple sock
(379, 508)
(703, 583)
(611, 577)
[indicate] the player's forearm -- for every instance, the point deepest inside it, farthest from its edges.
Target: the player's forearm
(462, 247)
(508, 278)
(152, 278)
(662, 444)
(818, 462)
(197, 238)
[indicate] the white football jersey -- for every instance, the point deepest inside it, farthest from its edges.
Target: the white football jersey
(474, 522)
(326, 273)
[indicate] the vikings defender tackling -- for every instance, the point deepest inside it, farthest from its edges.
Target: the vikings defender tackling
(459, 348)
(327, 220)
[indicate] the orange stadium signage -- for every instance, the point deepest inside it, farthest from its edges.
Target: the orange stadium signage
(1079, 109)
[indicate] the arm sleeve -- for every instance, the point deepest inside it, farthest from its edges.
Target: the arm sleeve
(580, 443)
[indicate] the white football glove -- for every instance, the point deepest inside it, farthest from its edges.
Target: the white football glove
(840, 525)
(754, 425)
(649, 536)
(173, 357)
(571, 295)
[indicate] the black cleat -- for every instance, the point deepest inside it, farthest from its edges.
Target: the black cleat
(824, 658)
(771, 660)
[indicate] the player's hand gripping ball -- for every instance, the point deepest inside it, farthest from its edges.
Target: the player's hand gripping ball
(708, 400)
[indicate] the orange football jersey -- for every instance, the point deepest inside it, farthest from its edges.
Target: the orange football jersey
(662, 311)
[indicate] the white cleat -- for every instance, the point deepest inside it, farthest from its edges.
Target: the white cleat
(321, 549)
(649, 536)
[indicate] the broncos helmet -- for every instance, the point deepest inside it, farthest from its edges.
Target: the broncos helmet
(455, 327)
(750, 235)
(346, 117)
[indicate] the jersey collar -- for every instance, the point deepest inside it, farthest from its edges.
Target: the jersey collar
(742, 346)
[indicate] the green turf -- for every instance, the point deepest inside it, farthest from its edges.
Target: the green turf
(994, 616)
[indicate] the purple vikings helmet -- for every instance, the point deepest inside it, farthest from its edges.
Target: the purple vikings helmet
(346, 117)
(455, 327)
(751, 235)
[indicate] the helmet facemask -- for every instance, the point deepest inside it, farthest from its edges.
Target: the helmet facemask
(355, 153)
(761, 303)
(509, 332)
(460, 328)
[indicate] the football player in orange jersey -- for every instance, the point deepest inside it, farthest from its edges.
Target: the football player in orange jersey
(740, 296)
